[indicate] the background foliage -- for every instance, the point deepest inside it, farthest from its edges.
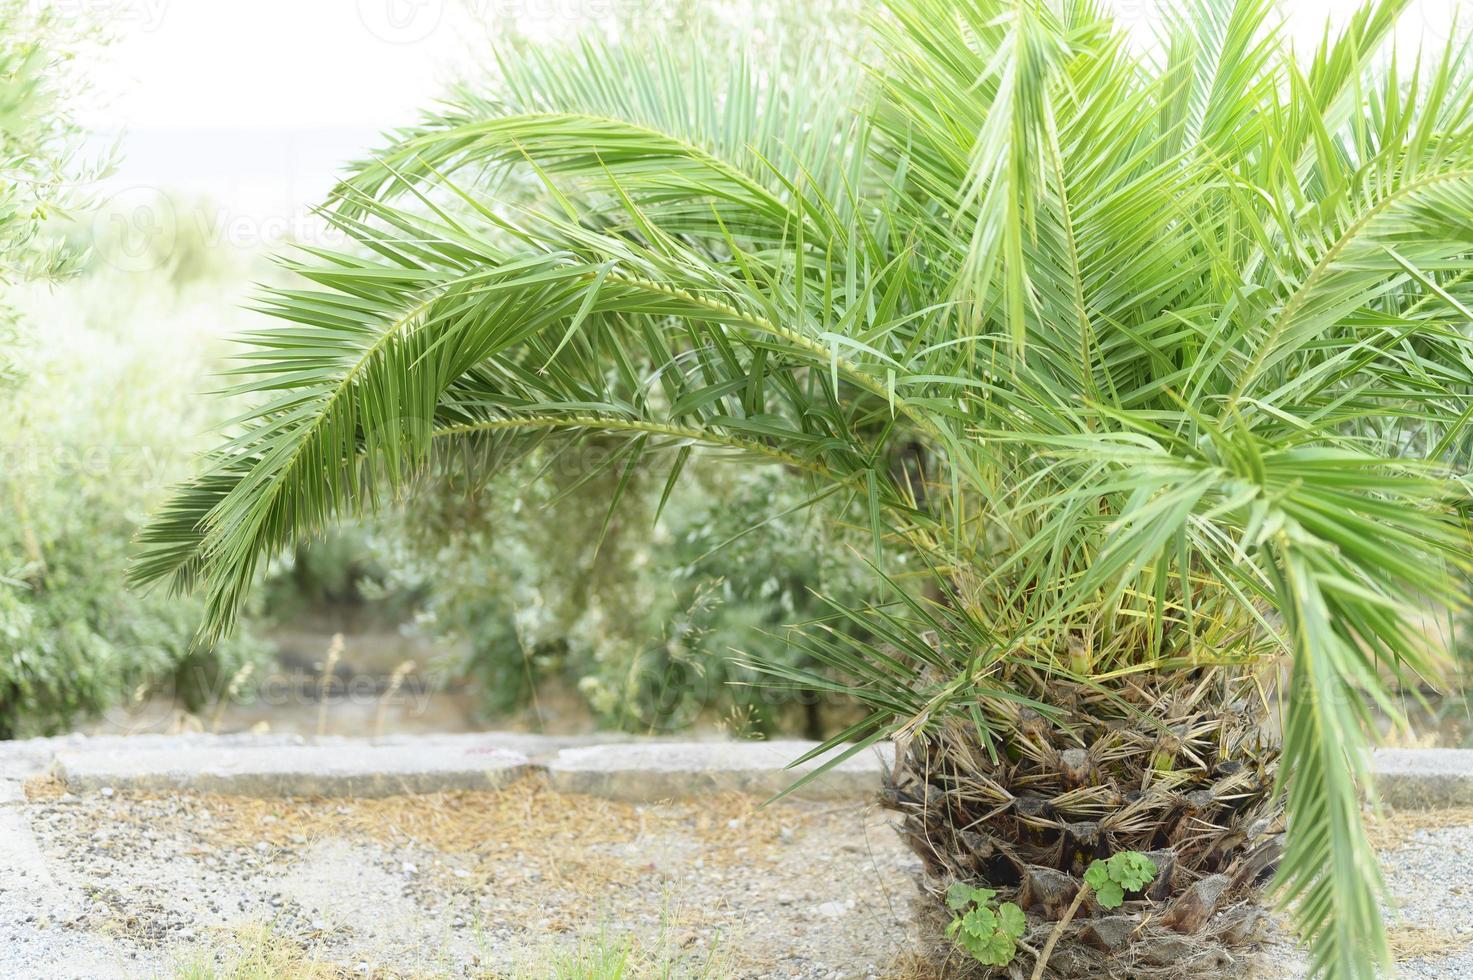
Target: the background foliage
(650, 626)
(91, 445)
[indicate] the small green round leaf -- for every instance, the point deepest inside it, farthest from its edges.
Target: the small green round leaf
(1110, 895)
(958, 896)
(1011, 920)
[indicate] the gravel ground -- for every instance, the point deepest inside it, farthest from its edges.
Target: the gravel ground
(489, 884)
(1427, 861)
(453, 885)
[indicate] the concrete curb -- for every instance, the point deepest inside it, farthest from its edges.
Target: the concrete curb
(1424, 779)
(637, 770)
(294, 770)
(616, 767)
(644, 772)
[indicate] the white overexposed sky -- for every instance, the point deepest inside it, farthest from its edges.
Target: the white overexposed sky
(255, 103)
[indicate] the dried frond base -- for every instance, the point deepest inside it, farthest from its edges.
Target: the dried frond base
(1174, 766)
(1154, 953)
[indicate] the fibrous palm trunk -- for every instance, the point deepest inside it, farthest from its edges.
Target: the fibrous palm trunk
(1177, 766)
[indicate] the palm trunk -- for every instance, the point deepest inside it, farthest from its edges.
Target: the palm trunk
(1172, 766)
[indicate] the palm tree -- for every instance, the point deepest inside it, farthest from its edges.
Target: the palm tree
(1154, 360)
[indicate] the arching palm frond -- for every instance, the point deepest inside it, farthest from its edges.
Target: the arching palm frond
(1184, 337)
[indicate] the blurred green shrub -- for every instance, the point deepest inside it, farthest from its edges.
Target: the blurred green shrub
(346, 569)
(652, 628)
(75, 641)
(102, 419)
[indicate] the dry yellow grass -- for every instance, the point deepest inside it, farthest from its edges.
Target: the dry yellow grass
(526, 832)
(526, 813)
(1392, 829)
(1414, 942)
(46, 786)
(914, 965)
(257, 953)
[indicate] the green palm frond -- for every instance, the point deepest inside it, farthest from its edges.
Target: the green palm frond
(1182, 337)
